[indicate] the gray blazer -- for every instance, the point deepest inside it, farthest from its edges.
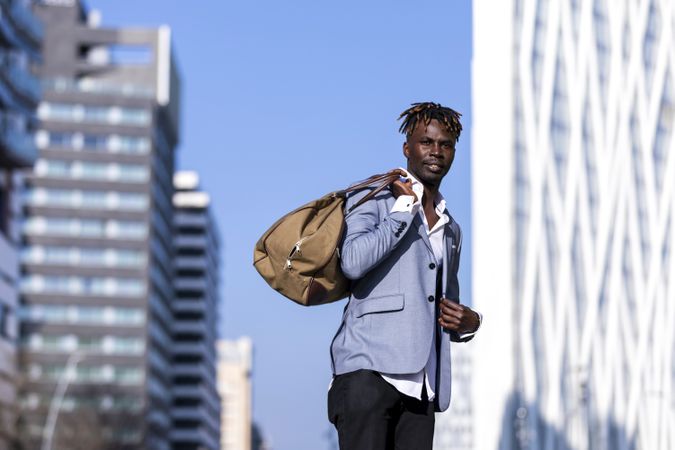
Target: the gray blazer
(389, 321)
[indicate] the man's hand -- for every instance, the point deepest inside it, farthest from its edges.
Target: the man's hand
(400, 187)
(456, 317)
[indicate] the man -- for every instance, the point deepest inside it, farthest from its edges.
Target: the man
(391, 354)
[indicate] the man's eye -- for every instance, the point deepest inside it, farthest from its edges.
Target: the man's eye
(425, 142)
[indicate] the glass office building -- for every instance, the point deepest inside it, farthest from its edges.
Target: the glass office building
(196, 404)
(97, 259)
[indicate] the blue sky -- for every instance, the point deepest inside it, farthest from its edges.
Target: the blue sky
(284, 102)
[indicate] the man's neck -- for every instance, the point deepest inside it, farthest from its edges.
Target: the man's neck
(430, 191)
(430, 195)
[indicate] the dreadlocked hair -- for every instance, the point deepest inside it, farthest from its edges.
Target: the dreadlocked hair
(426, 112)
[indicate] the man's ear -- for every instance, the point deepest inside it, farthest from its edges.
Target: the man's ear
(406, 150)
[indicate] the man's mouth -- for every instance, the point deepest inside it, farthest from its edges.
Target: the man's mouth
(434, 166)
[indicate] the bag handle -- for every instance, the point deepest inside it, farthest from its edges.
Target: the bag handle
(385, 179)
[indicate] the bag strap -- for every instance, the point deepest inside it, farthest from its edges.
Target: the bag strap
(385, 179)
(370, 181)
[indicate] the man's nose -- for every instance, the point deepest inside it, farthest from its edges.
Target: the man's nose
(436, 149)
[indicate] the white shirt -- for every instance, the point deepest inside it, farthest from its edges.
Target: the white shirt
(411, 384)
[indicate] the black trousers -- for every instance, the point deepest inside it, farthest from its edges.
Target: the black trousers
(370, 414)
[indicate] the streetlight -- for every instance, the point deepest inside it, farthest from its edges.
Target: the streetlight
(57, 398)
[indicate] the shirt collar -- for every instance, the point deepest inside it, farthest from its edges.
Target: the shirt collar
(418, 189)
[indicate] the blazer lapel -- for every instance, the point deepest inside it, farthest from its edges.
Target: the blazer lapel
(449, 252)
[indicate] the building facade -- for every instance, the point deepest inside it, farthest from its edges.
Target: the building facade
(97, 270)
(20, 39)
(196, 406)
(574, 224)
(454, 427)
(235, 359)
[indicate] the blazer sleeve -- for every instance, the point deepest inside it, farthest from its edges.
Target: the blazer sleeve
(371, 233)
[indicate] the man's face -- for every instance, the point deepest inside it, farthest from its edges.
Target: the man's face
(430, 153)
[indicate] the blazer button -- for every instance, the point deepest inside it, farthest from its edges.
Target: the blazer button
(397, 234)
(431, 298)
(403, 225)
(432, 266)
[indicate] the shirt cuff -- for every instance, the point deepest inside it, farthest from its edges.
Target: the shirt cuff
(405, 203)
(480, 322)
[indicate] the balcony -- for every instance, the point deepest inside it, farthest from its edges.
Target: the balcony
(25, 83)
(17, 149)
(197, 371)
(196, 242)
(209, 398)
(191, 284)
(26, 23)
(191, 262)
(19, 80)
(189, 326)
(190, 348)
(195, 437)
(193, 306)
(198, 414)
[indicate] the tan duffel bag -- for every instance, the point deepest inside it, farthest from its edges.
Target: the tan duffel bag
(299, 256)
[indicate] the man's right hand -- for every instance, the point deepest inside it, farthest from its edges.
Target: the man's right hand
(403, 186)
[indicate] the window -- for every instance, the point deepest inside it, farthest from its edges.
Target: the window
(130, 229)
(128, 144)
(95, 170)
(54, 168)
(84, 315)
(128, 316)
(132, 201)
(127, 345)
(129, 258)
(60, 139)
(89, 314)
(112, 143)
(103, 286)
(90, 227)
(128, 375)
(93, 199)
(93, 114)
(92, 256)
(89, 343)
(133, 173)
(86, 199)
(57, 255)
(95, 142)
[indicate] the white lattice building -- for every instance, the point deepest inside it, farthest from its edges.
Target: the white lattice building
(574, 222)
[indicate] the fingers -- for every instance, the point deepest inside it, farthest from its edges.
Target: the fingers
(452, 315)
(400, 187)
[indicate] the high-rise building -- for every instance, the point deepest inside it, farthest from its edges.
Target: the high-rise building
(454, 427)
(235, 359)
(20, 39)
(196, 405)
(574, 224)
(97, 277)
